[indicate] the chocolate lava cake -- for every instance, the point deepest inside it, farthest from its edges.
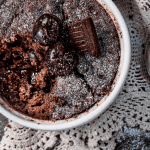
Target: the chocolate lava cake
(58, 58)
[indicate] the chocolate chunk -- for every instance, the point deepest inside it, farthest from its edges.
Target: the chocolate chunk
(46, 30)
(58, 62)
(83, 35)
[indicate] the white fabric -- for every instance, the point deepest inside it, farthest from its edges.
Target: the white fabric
(131, 108)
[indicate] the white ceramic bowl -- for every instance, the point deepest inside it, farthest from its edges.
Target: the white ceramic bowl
(100, 107)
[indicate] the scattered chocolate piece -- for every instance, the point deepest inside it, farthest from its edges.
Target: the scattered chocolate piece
(8, 126)
(83, 35)
(46, 30)
(58, 62)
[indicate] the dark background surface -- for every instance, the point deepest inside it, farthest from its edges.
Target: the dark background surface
(3, 122)
(133, 139)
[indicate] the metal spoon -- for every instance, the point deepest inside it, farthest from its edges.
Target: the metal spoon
(147, 56)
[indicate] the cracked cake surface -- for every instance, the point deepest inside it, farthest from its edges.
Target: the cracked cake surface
(60, 80)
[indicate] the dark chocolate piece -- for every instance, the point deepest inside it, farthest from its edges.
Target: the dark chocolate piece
(46, 30)
(58, 62)
(83, 35)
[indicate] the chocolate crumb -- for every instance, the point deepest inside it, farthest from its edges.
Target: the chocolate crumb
(9, 126)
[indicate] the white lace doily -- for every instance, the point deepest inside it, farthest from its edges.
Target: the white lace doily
(131, 108)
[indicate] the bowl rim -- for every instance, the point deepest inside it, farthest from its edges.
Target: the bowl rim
(104, 105)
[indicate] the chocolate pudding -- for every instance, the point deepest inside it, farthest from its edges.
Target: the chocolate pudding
(57, 58)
